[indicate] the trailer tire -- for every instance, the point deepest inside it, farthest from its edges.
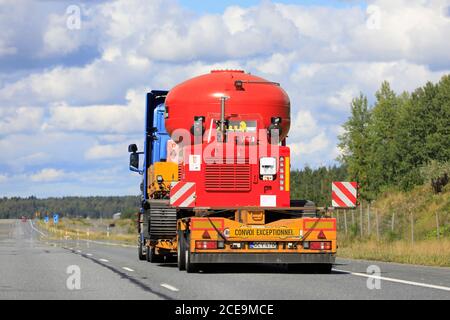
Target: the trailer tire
(141, 254)
(152, 257)
(305, 204)
(190, 267)
(181, 252)
(323, 268)
(294, 267)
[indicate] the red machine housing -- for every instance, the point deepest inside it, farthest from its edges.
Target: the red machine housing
(256, 99)
(217, 172)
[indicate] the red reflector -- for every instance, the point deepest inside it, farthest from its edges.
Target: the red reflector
(206, 235)
(320, 245)
(321, 235)
(314, 245)
(205, 245)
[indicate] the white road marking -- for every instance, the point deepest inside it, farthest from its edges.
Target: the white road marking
(32, 227)
(109, 243)
(128, 269)
(168, 286)
(79, 251)
(70, 248)
(412, 283)
(89, 254)
(103, 260)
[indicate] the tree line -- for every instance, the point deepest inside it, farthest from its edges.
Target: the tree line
(315, 184)
(93, 207)
(400, 141)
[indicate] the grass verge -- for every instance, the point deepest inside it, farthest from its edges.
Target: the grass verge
(425, 252)
(72, 229)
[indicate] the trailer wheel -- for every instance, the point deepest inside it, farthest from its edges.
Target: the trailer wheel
(141, 254)
(152, 257)
(323, 268)
(190, 267)
(305, 204)
(181, 252)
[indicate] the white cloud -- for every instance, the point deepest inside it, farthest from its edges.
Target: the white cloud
(3, 178)
(35, 31)
(319, 143)
(26, 151)
(341, 100)
(331, 86)
(304, 125)
(169, 33)
(235, 20)
(21, 119)
(7, 46)
(100, 118)
(412, 30)
(47, 175)
(270, 39)
(32, 159)
(336, 152)
(58, 39)
(96, 82)
(5, 49)
(108, 151)
(111, 138)
(278, 64)
(309, 141)
(114, 180)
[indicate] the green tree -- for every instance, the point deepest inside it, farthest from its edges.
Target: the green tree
(424, 130)
(315, 184)
(354, 143)
(386, 145)
(439, 140)
(383, 153)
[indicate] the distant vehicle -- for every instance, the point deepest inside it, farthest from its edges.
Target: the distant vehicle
(24, 219)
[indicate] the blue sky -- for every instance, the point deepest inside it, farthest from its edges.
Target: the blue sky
(211, 6)
(72, 99)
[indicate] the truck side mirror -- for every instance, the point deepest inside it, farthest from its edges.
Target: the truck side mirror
(132, 148)
(134, 161)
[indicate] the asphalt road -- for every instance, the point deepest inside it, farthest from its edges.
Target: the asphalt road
(34, 267)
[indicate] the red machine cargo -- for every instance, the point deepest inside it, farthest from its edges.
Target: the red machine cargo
(249, 98)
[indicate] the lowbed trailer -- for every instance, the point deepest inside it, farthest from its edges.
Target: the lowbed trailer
(220, 194)
(247, 239)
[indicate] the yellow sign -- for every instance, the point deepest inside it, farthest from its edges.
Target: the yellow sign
(264, 232)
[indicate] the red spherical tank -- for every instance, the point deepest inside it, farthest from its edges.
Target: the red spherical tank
(248, 98)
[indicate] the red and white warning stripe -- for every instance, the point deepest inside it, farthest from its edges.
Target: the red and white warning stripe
(344, 194)
(182, 194)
